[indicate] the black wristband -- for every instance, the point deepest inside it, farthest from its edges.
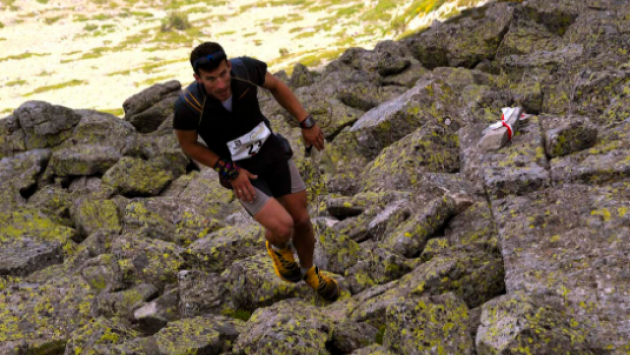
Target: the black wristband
(308, 122)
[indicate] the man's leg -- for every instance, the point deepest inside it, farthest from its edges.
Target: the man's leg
(303, 237)
(278, 226)
(304, 241)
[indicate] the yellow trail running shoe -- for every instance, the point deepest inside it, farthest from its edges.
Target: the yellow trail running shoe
(284, 264)
(325, 286)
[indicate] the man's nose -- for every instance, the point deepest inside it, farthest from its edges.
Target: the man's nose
(221, 84)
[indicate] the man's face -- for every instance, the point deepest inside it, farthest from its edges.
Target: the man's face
(217, 81)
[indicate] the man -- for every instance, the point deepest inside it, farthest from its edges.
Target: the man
(222, 107)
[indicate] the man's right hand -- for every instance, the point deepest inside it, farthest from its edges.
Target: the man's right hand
(242, 187)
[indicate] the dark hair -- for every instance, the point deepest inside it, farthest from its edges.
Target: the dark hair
(203, 50)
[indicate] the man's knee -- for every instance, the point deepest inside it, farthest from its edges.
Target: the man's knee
(302, 221)
(284, 228)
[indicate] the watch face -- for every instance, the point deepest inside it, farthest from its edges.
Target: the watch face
(308, 122)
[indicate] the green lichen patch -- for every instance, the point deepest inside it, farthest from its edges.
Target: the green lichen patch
(203, 334)
(135, 177)
(288, 327)
(98, 335)
(435, 325)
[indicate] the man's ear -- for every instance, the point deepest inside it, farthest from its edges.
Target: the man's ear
(229, 64)
(197, 78)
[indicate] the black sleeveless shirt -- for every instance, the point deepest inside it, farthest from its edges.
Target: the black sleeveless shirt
(195, 110)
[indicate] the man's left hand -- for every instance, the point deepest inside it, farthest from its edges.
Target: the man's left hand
(314, 136)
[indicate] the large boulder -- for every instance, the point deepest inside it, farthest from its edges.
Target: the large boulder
(428, 149)
(606, 161)
(96, 336)
(147, 109)
(528, 320)
(45, 125)
(41, 317)
(290, 327)
(167, 219)
(136, 177)
(147, 260)
(24, 228)
(576, 252)
(18, 176)
(475, 276)
(11, 137)
(429, 325)
(218, 250)
(410, 237)
(206, 334)
(464, 41)
(94, 145)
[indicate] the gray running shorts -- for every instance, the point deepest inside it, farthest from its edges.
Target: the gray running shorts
(282, 179)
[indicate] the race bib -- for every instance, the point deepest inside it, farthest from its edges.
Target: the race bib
(249, 144)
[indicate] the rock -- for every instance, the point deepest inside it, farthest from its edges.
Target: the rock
(18, 176)
(378, 266)
(301, 76)
(527, 319)
(350, 336)
(138, 346)
(123, 304)
(147, 260)
(389, 64)
(252, 283)
(199, 335)
(288, 327)
(41, 317)
(83, 160)
(99, 242)
(407, 77)
(90, 216)
(208, 197)
(154, 315)
(135, 177)
(26, 255)
(394, 119)
(527, 35)
(428, 149)
(45, 125)
(410, 237)
(606, 161)
(519, 167)
(150, 119)
(55, 202)
(90, 187)
(162, 151)
(34, 228)
(576, 253)
(342, 207)
(566, 135)
(200, 293)
(11, 137)
(149, 97)
(373, 350)
(465, 41)
(96, 336)
(103, 273)
(217, 251)
(364, 96)
(334, 252)
(434, 247)
(474, 276)
(167, 219)
(429, 325)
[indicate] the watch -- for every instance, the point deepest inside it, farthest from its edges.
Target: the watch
(308, 122)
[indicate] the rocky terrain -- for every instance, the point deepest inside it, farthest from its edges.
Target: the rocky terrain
(113, 242)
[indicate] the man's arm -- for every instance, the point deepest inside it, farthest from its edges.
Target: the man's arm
(197, 151)
(285, 97)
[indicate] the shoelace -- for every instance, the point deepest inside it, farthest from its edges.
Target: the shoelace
(286, 263)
